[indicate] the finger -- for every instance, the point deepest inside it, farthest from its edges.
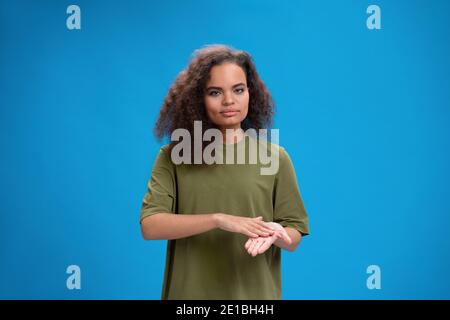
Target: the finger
(250, 234)
(256, 247)
(262, 232)
(266, 245)
(274, 226)
(261, 223)
(276, 236)
(248, 249)
(251, 246)
(259, 230)
(260, 243)
(265, 224)
(247, 244)
(263, 227)
(286, 237)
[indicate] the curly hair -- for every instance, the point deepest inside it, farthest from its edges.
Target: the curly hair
(184, 103)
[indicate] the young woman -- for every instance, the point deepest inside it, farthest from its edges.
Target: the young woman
(226, 223)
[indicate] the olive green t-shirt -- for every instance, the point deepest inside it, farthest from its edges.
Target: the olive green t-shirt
(215, 264)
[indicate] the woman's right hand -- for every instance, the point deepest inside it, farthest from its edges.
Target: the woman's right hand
(251, 227)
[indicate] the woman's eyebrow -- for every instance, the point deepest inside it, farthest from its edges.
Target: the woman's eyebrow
(234, 86)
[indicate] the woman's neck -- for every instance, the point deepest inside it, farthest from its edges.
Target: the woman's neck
(231, 136)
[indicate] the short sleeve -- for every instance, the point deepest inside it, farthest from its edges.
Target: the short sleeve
(161, 188)
(289, 210)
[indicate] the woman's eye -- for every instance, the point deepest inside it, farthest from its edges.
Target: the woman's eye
(240, 90)
(214, 93)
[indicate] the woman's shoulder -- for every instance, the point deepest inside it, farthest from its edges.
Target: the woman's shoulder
(165, 149)
(163, 156)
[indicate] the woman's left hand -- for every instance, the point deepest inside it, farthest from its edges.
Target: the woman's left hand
(259, 245)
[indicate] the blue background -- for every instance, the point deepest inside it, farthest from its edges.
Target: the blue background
(364, 115)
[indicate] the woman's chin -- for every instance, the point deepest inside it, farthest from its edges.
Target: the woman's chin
(229, 122)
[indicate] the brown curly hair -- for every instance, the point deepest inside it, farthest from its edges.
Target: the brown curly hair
(184, 103)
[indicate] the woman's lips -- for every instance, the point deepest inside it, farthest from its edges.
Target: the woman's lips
(229, 113)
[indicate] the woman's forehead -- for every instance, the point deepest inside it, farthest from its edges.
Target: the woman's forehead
(227, 74)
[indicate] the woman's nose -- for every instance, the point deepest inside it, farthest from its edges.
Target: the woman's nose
(227, 99)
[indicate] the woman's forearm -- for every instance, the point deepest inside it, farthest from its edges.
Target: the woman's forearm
(169, 226)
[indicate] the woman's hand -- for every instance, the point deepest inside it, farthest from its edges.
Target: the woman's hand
(251, 227)
(259, 245)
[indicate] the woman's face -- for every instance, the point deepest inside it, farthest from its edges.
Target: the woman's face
(226, 96)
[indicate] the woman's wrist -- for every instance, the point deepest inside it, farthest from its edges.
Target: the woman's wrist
(217, 218)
